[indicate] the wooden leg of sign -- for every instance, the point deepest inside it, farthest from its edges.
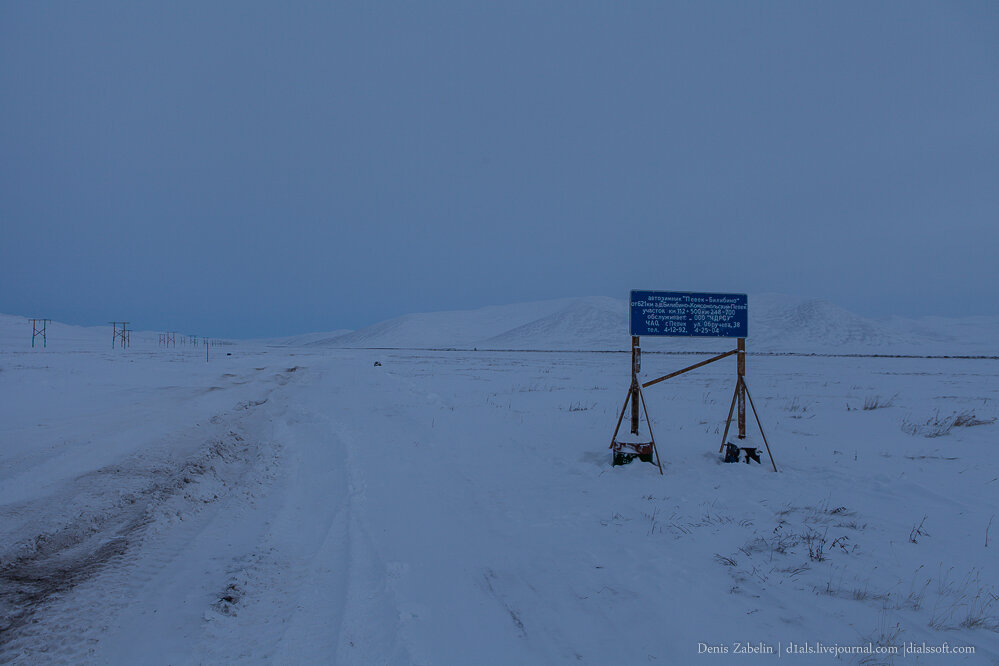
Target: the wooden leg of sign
(620, 418)
(634, 383)
(634, 409)
(728, 420)
(648, 422)
(741, 370)
(760, 426)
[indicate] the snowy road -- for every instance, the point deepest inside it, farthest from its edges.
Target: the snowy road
(288, 506)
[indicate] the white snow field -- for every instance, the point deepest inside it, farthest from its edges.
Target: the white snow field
(293, 502)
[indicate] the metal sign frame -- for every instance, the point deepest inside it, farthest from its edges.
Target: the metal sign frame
(646, 450)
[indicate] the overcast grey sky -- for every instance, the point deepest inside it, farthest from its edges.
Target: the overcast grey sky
(248, 169)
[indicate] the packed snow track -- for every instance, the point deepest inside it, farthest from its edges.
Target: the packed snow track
(305, 505)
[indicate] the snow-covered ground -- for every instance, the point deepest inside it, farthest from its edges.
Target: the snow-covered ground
(300, 504)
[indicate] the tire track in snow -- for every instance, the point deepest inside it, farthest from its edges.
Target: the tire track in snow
(312, 590)
(343, 607)
(63, 591)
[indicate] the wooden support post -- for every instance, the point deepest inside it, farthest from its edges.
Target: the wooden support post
(635, 351)
(741, 386)
(689, 368)
(760, 425)
(763, 434)
(648, 422)
(620, 418)
(728, 419)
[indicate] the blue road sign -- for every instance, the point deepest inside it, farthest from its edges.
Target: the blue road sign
(688, 314)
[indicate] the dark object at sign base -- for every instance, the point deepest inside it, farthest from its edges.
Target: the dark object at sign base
(733, 452)
(625, 452)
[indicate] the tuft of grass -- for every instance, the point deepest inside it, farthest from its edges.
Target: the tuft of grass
(886, 637)
(795, 406)
(873, 402)
(972, 604)
(914, 598)
(727, 561)
(938, 426)
(816, 545)
(918, 531)
(968, 420)
(653, 519)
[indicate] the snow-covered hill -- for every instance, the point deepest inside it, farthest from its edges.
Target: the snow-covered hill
(593, 322)
(15, 335)
(320, 337)
(777, 323)
(456, 328)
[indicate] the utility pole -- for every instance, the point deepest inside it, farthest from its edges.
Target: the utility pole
(38, 328)
(119, 331)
